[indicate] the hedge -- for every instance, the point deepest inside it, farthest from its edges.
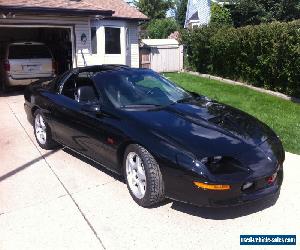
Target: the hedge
(266, 55)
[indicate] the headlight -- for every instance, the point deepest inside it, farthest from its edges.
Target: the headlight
(222, 165)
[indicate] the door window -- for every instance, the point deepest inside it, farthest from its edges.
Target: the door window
(81, 88)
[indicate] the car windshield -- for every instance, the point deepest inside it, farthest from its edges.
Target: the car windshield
(136, 87)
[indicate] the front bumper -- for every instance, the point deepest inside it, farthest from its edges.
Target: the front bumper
(183, 189)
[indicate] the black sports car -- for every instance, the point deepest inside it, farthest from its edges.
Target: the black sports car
(167, 142)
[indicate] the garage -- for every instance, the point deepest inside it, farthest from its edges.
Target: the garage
(57, 39)
(73, 34)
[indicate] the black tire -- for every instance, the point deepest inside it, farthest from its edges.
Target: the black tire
(154, 181)
(49, 142)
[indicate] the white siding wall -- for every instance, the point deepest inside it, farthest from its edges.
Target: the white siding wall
(129, 50)
(83, 51)
(133, 58)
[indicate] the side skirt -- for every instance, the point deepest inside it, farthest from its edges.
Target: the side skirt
(89, 158)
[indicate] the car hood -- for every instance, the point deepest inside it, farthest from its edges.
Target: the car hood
(217, 128)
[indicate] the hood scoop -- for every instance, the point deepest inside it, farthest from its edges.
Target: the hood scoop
(243, 126)
(224, 119)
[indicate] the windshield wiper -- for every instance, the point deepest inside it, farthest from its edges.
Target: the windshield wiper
(142, 105)
(186, 99)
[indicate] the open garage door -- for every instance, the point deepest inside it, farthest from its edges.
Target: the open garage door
(57, 39)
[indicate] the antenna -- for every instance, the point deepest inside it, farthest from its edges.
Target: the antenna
(84, 61)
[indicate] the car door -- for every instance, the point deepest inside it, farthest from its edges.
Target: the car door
(82, 128)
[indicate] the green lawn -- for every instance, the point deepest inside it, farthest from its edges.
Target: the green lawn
(281, 115)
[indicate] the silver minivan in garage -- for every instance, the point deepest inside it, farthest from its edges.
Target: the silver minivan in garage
(25, 62)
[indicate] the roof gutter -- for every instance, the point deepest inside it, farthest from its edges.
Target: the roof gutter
(127, 18)
(46, 10)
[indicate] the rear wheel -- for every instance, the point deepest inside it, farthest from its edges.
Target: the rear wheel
(42, 131)
(143, 176)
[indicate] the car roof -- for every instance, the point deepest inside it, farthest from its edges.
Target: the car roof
(101, 68)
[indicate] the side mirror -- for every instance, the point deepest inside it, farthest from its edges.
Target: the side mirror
(91, 108)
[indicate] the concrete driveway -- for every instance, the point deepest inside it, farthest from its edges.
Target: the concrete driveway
(59, 200)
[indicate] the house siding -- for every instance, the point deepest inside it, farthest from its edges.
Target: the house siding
(129, 49)
(83, 51)
(133, 45)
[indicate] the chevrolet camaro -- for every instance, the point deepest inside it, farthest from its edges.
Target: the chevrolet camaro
(166, 142)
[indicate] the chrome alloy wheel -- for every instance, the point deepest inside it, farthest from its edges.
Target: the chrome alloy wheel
(136, 175)
(40, 129)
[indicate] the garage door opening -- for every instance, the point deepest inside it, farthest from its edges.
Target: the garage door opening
(58, 40)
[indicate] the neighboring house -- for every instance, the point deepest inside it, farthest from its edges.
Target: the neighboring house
(79, 32)
(198, 12)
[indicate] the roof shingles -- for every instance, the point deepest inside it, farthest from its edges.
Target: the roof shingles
(120, 8)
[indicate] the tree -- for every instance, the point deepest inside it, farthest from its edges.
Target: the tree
(220, 15)
(251, 12)
(290, 10)
(154, 9)
(161, 28)
(181, 6)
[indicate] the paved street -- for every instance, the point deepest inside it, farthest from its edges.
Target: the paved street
(59, 200)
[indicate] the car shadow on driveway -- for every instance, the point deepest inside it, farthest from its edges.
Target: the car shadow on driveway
(224, 213)
(26, 165)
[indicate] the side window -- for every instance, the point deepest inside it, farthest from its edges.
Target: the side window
(81, 88)
(69, 87)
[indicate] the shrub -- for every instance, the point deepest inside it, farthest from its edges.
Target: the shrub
(252, 12)
(161, 28)
(220, 15)
(266, 55)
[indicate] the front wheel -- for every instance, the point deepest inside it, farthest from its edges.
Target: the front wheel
(42, 131)
(143, 176)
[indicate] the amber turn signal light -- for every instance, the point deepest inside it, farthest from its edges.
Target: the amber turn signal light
(218, 187)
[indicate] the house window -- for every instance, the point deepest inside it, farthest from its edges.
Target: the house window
(94, 39)
(112, 40)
